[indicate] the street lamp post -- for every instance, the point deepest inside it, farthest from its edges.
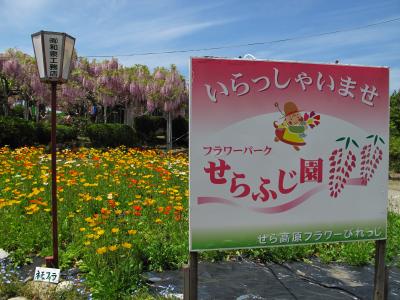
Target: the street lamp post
(53, 52)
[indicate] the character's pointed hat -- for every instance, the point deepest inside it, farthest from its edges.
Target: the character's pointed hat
(290, 108)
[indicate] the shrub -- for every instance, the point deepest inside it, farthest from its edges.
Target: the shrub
(43, 131)
(394, 154)
(16, 132)
(17, 111)
(66, 134)
(180, 128)
(147, 126)
(111, 135)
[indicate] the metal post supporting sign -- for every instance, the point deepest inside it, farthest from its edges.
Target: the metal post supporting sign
(380, 284)
(190, 275)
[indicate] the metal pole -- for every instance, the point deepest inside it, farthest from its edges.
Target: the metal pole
(186, 279)
(54, 261)
(380, 270)
(193, 275)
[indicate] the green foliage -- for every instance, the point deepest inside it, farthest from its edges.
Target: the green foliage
(281, 254)
(394, 153)
(17, 111)
(11, 289)
(79, 123)
(16, 132)
(111, 135)
(66, 134)
(43, 131)
(180, 128)
(108, 278)
(393, 245)
(394, 146)
(147, 126)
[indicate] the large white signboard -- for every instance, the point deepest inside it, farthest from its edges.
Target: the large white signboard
(286, 153)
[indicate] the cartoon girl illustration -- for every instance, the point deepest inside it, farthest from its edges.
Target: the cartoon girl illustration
(292, 130)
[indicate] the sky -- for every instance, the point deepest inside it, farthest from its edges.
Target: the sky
(122, 27)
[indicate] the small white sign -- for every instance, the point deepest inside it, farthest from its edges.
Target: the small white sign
(47, 275)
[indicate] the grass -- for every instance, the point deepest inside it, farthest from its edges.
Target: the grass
(122, 212)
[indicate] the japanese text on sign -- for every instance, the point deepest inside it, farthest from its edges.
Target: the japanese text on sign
(47, 275)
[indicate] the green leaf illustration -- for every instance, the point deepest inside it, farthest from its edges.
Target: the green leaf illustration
(347, 142)
(381, 139)
(355, 143)
(370, 136)
(340, 139)
(376, 138)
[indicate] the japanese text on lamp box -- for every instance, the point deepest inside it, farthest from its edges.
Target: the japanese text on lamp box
(53, 45)
(277, 146)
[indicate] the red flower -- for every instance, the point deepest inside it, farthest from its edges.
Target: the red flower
(137, 208)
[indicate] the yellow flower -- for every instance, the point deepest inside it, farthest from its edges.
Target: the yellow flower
(113, 248)
(118, 212)
(126, 245)
(109, 196)
(158, 221)
(114, 230)
(178, 208)
(82, 229)
(132, 232)
(100, 232)
(101, 250)
(87, 243)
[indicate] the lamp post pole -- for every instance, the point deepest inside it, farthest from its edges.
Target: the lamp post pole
(53, 53)
(54, 260)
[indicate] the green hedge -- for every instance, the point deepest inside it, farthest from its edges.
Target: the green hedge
(111, 135)
(180, 129)
(17, 132)
(147, 126)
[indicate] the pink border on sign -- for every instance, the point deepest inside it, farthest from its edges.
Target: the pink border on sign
(211, 116)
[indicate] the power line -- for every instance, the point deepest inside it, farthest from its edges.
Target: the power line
(250, 44)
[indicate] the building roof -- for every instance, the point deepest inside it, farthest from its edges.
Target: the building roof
(4, 56)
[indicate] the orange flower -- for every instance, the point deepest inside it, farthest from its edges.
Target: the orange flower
(105, 211)
(137, 207)
(112, 203)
